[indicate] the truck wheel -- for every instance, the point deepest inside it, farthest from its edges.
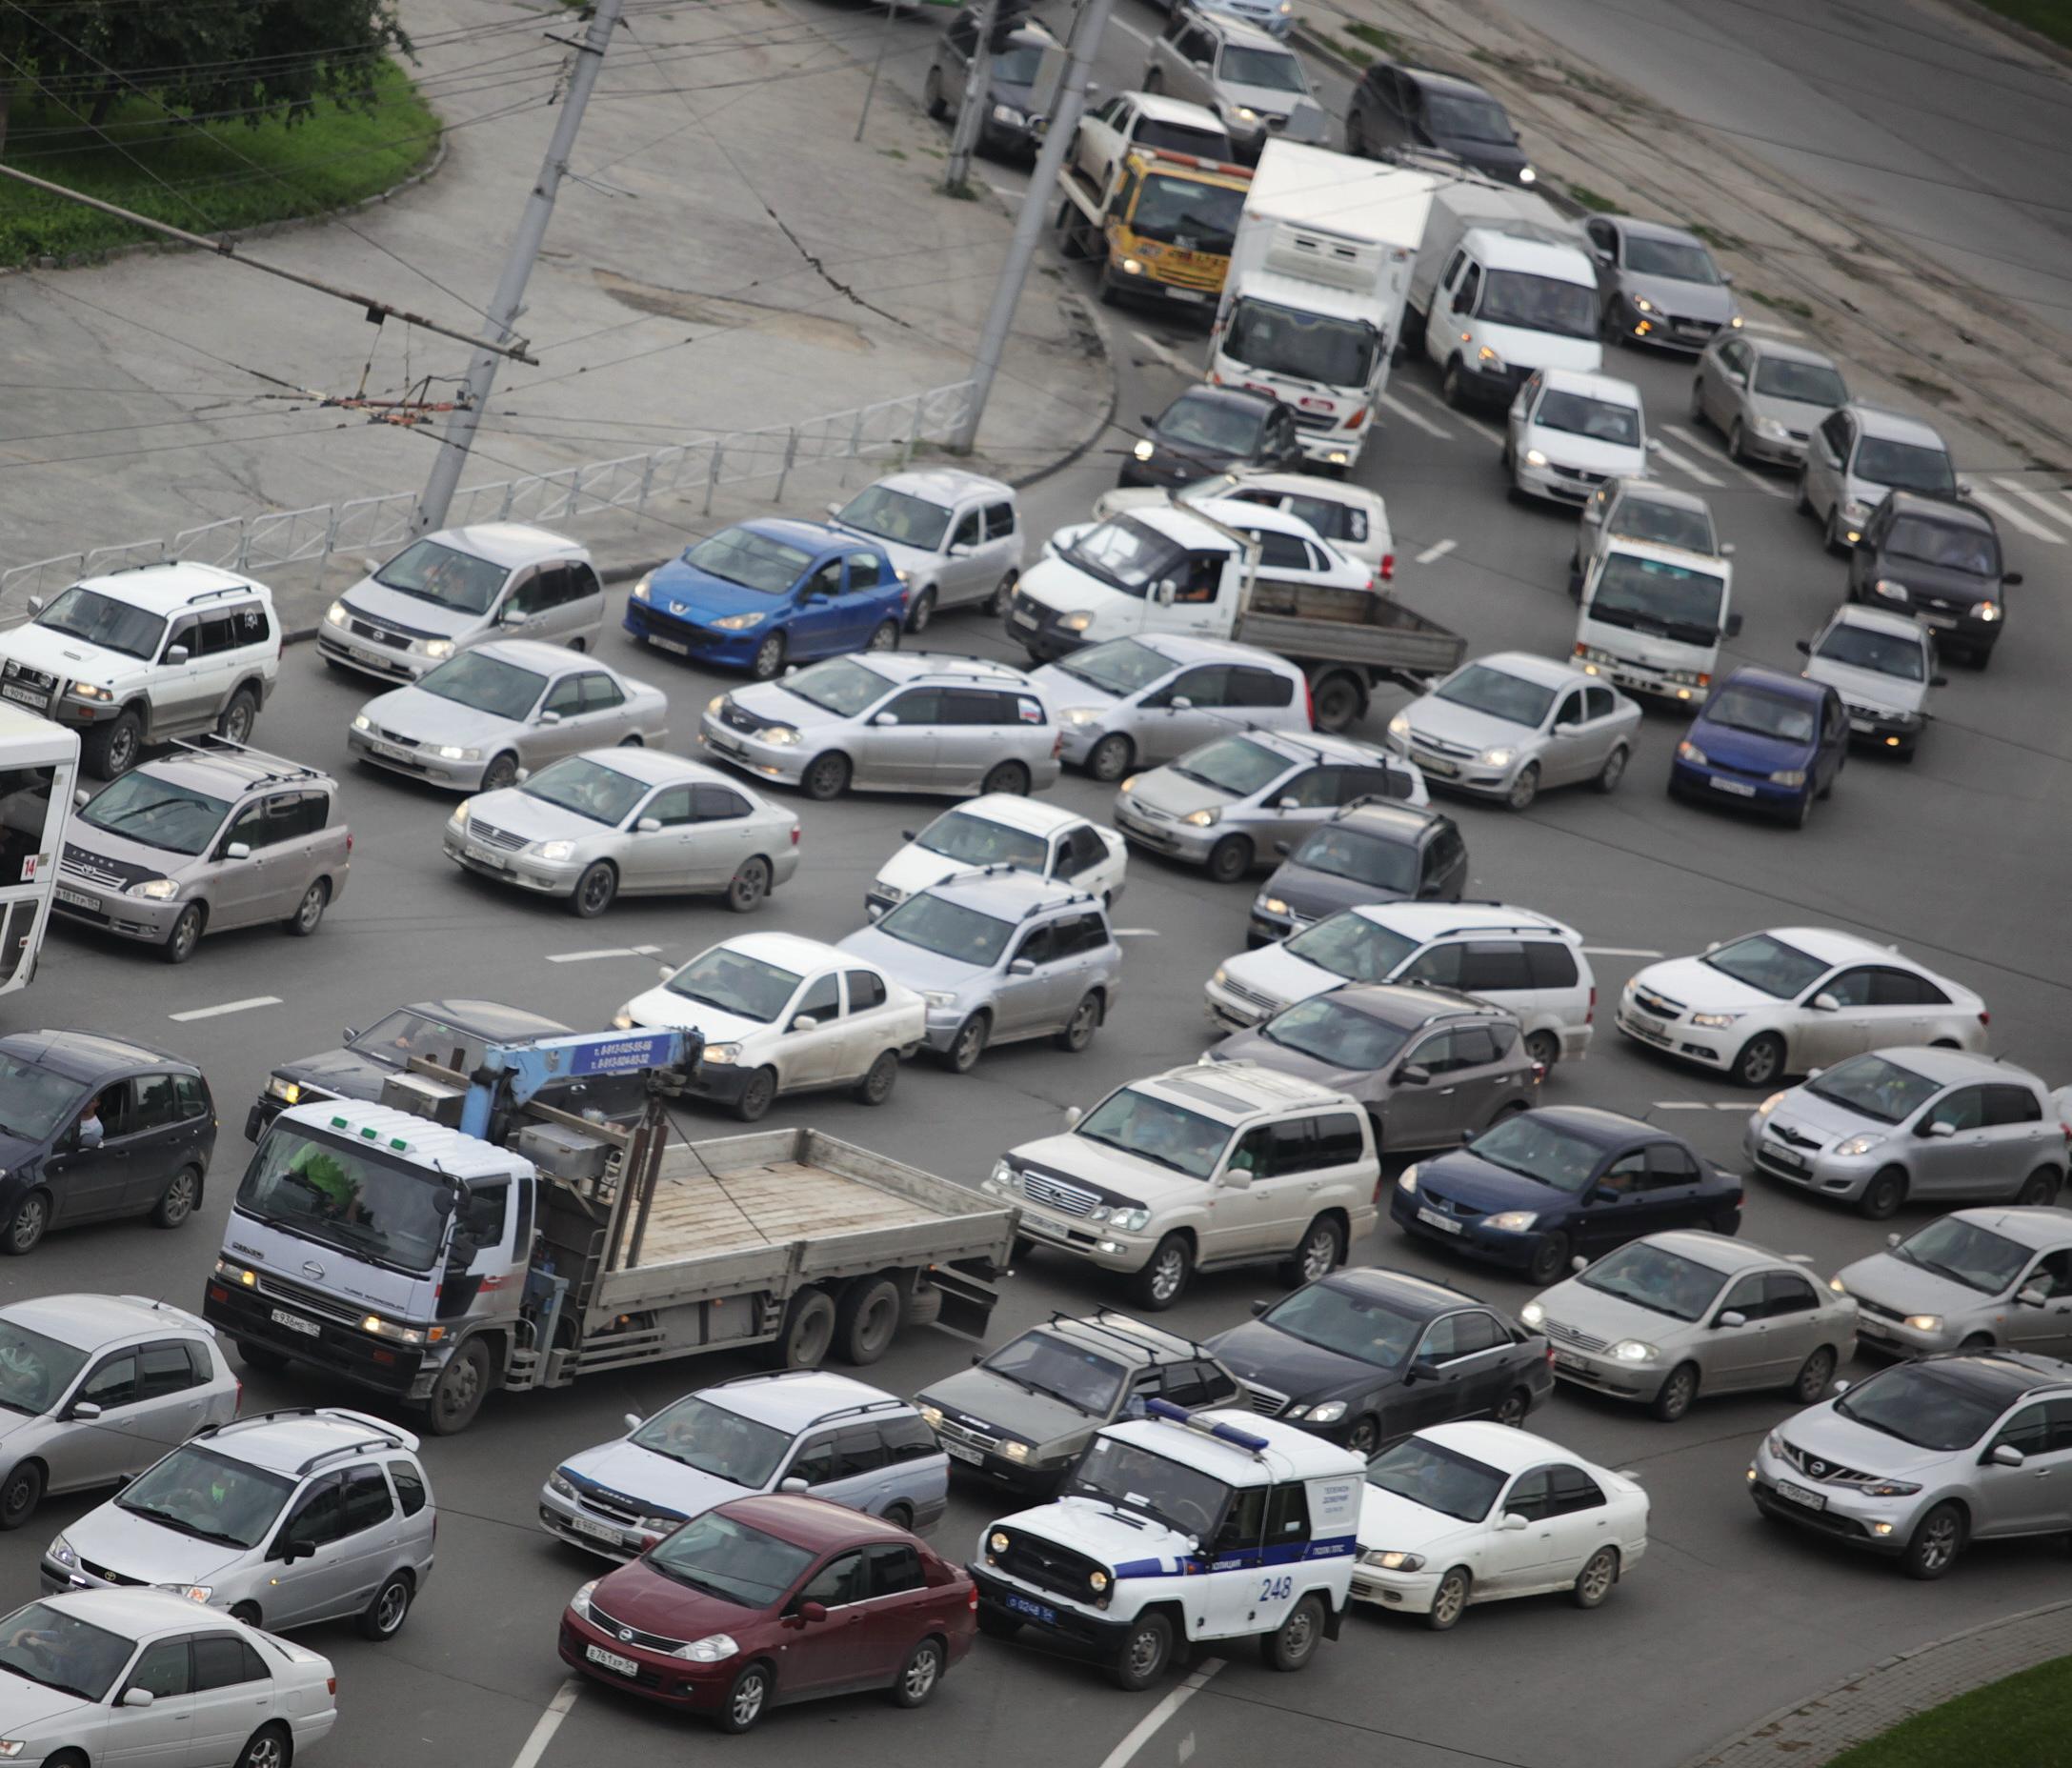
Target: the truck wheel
(1337, 703)
(111, 748)
(1292, 1644)
(809, 1329)
(1146, 1649)
(458, 1394)
(866, 1319)
(262, 1357)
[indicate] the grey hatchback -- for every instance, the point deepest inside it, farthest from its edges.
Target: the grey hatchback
(1370, 852)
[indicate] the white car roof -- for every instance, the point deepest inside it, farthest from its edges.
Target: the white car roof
(1179, 649)
(1832, 946)
(1653, 490)
(1501, 1446)
(1879, 620)
(1309, 485)
(795, 951)
(88, 1321)
(2033, 1226)
(796, 1399)
(1527, 246)
(168, 589)
(1160, 108)
(508, 543)
(945, 485)
(1235, 1092)
(284, 1441)
(1290, 1454)
(1547, 671)
(1434, 920)
(1031, 816)
(1236, 512)
(1684, 558)
(1892, 426)
(135, 1613)
(1607, 387)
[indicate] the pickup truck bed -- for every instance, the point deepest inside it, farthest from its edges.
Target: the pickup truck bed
(1314, 622)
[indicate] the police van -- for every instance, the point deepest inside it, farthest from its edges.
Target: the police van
(1179, 1525)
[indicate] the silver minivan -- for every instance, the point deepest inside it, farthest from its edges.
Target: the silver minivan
(457, 588)
(955, 537)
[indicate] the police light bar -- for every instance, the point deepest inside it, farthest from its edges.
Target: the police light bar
(1228, 1432)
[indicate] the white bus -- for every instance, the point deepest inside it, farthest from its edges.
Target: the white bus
(39, 761)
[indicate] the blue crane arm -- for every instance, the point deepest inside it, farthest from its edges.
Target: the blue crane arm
(518, 1071)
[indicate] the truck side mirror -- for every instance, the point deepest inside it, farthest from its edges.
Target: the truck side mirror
(1164, 593)
(1073, 1114)
(1733, 626)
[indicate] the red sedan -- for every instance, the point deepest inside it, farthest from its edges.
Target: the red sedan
(772, 1599)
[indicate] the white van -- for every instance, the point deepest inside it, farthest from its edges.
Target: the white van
(1511, 299)
(1653, 616)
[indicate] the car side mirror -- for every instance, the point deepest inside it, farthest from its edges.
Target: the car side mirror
(1939, 681)
(632, 1420)
(1513, 1523)
(812, 1613)
(805, 1022)
(36, 603)
(2031, 1297)
(2004, 1455)
(884, 720)
(1579, 1264)
(792, 1483)
(297, 1547)
(1963, 488)
(1568, 727)
(1073, 1114)
(521, 776)
(1653, 445)
(648, 825)
(1824, 1002)
(1940, 1128)
(1164, 593)
(1259, 1308)
(1183, 704)
(175, 654)
(238, 849)
(89, 1135)
(813, 599)
(1282, 850)
(1238, 1178)
(1286, 803)
(510, 614)
(137, 1697)
(1022, 967)
(1727, 279)
(550, 718)
(2010, 579)
(1149, 419)
(1603, 1193)
(81, 798)
(84, 1411)
(1731, 1319)
(1733, 626)
(1413, 1074)
(961, 549)
(1806, 647)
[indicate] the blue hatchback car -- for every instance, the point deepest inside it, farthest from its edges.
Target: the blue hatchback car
(1539, 1188)
(760, 595)
(1771, 741)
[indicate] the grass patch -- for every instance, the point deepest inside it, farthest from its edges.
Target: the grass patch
(1375, 37)
(894, 153)
(1780, 303)
(1587, 198)
(1713, 236)
(2021, 1723)
(2050, 18)
(1934, 391)
(335, 157)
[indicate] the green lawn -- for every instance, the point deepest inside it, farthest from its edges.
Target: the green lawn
(2022, 1722)
(221, 174)
(2052, 18)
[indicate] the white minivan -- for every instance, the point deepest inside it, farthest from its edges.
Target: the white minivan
(1653, 616)
(1511, 300)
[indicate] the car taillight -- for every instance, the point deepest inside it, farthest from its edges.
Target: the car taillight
(348, 844)
(972, 1601)
(1539, 1072)
(1388, 568)
(794, 834)
(1590, 1017)
(1984, 1017)
(1309, 705)
(1057, 743)
(331, 1685)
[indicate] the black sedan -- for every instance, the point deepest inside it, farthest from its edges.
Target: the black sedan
(1533, 1192)
(1210, 430)
(1364, 1358)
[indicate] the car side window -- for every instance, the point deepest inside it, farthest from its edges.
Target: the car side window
(1570, 711)
(155, 1105)
(1205, 686)
(916, 706)
(1337, 1140)
(1529, 1497)
(367, 1500)
(1433, 1052)
(863, 572)
(670, 808)
(977, 706)
(1274, 1150)
(1569, 1489)
(113, 1383)
(1037, 946)
(968, 529)
(1784, 1292)
(1441, 1340)
(1835, 434)
(223, 1661)
(824, 579)
(193, 1096)
(1438, 966)
(1244, 1523)
(815, 1460)
(1471, 285)
(999, 520)
(822, 998)
(1474, 1045)
(1279, 552)
(1626, 1174)
(716, 804)
(535, 591)
(896, 1569)
(600, 692)
(582, 581)
(318, 1516)
(1313, 788)
(162, 1370)
(1477, 1332)
(163, 1671)
(1494, 966)
(866, 990)
(1598, 703)
(1669, 1166)
(1747, 1296)
(1287, 1515)
(842, 1580)
(2028, 1430)
(410, 1487)
(565, 697)
(2004, 1105)
(909, 1440)
(1962, 1110)
(1083, 850)
(1259, 687)
(1071, 934)
(858, 1451)
(1551, 964)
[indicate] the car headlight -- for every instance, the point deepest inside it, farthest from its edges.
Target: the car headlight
(1399, 724)
(1489, 359)
(1770, 428)
(717, 705)
(713, 1648)
(1388, 1560)
(1643, 305)
(11, 1747)
(997, 1541)
(1511, 1221)
(1714, 1021)
(1080, 714)
(437, 648)
(362, 722)
(1496, 757)
(554, 850)
(1855, 512)
(1527, 175)
(336, 614)
(740, 622)
(561, 1484)
(1889, 1488)
(1019, 1451)
(1891, 588)
(60, 1550)
(158, 890)
(1328, 1413)
(1144, 450)
(287, 1092)
(1986, 611)
(937, 997)
(1406, 1182)
(722, 1055)
(1002, 1179)
(660, 1525)
(1130, 785)
(1535, 458)
(460, 812)
(1078, 622)
(1735, 322)
(1634, 1350)
(1858, 1145)
(931, 1416)
(1773, 1445)
(579, 1602)
(87, 691)
(781, 736)
(1924, 1322)
(1272, 905)
(1204, 819)
(1220, 977)
(641, 589)
(1130, 1221)
(1788, 776)
(1835, 1284)
(1008, 116)
(623, 1021)
(901, 575)
(1769, 1104)
(454, 752)
(1244, 113)
(1688, 750)
(1532, 1315)
(194, 1593)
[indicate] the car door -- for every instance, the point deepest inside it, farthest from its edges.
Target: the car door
(722, 835)
(818, 621)
(1602, 728)
(834, 1652)
(1568, 757)
(179, 695)
(1484, 1078)
(1421, 1114)
(171, 1401)
(244, 891)
(2037, 1494)
(1746, 1355)
(234, 1697)
(1306, 800)
(370, 1544)
(152, 1143)
(965, 566)
(107, 1440)
(90, 1182)
(898, 1610)
(1610, 1208)
(1084, 954)
(811, 1055)
(1098, 140)
(1671, 1188)
(1434, 1390)
(1580, 1522)
(1825, 1034)
(1080, 856)
(2045, 1329)
(899, 746)
(1824, 455)
(1268, 1208)
(1953, 1166)
(2015, 1144)
(162, 1734)
(1024, 993)
(1482, 1362)
(867, 1018)
(850, 1464)
(978, 731)
(667, 855)
(607, 715)
(1792, 1310)
(313, 1586)
(1002, 547)
(559, 726)
(956, 62)
(1164, 728)
(1516, 1560)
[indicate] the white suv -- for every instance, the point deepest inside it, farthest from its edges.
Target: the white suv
(1525, 962)
(145, 654)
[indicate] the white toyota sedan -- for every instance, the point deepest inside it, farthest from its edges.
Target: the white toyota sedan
(1003, 829)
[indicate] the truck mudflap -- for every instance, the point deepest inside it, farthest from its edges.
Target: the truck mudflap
(967, 1301)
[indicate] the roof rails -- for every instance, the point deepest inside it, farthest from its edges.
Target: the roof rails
(1100, 1323)
(887, 1404)
(1368, 799)
(385, 1440)
(274, 770)
(220, 590)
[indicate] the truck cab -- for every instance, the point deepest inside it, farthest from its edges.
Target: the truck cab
(1510, 299)
(1164, 222)
(1653, 616)
(1180, 1527)
(1167, 570)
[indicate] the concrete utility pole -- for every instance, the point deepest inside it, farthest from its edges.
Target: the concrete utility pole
(508, 300)
(1088, 31)
(977, 89)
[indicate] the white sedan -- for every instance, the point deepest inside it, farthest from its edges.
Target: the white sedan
(1352, 518)
(1476, 1513)
(1003, 829)
(1792, 1000)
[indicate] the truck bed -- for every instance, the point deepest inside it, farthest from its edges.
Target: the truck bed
(1306, 621)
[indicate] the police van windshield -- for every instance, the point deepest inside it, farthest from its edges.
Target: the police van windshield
(1134, 1479)
(346, 1194)
(197, 1491)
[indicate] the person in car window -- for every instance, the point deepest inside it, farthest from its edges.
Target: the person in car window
(90, 1129)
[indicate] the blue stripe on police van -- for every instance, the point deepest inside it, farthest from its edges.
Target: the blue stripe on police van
(1338, 1547)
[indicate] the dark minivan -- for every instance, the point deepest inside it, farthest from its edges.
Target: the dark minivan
(1940, 561)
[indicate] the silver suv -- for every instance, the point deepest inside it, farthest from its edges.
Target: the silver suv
(801, 1431)
(953, 537)
(285, 1518)
(210, 837)
(999, 956)
(899, 721)
(1253, 84)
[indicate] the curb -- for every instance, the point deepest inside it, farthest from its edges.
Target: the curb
(1095, 431)
(2011, 28)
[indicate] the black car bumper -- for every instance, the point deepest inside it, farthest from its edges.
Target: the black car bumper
(1068, 1626)
(1037, 628)
(249, 1316)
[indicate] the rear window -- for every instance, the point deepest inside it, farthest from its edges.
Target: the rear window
(1552, 965)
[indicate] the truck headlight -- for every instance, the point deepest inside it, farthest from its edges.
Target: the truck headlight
(1019, 1451)
(554, 849)
(287, 1092)
(1244, 113)
(1204, 819)
(722, 1055)
(380, 1328)
(158, 890)
(713, 1648)
(1857, 1145)
(437, 648)
(1634, 1350)
(87, 691)
(740, 622)
(336, 614)
(454, 752)
(1511, 1221)
(1489, 359)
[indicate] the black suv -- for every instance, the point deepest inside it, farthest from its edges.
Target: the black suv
(1365, 1356)
(1373, 850)
(1941, 561)
(1210, 430)
(1397, 109)
(95, 1127)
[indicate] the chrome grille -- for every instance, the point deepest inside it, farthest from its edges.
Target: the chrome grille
(1066, 1200)
(1819, 1467)
(1267, 1403)
(1306, 420)
(1563, 1333)
(76, 862)
(489, 836)
(1882, 1311)
(1659, 1005)
(1580, 475)
(632, 1635)
(1145, 810)
(379, 635)
(950, 1431)
(396, 737)
(1251, 997)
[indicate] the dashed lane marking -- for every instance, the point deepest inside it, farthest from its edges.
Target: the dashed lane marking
(1684, 464)
(1152, 1723)
(1416, 419)
(2016, 516)
(229, 1006)
(550, 1722)
(1733, 466)
(1137, 932)
(1681, 1105)
(1167, 354)
(603, 951)
(1439, 549)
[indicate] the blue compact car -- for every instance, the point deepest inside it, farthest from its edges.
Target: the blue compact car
(1770, 741)
(762, 596)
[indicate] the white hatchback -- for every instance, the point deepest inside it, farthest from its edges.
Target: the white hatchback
(1568, 431)
(1354, 518)
(1002, 829)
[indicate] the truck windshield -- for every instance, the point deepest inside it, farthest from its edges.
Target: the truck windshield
(347, 1195)
(1058, 1367)
(1349, 945)
(197, 1491)
(1232, 765)
(1126, 554)
(1499, 693)
(36, 1371)
(1539, 304)
(1120, 667)
(718, 1556)
(485, 685)
(980, 841)
(155, 812)
(440, 574)
(1019, 65)
(1648, 592)
(1323, 348)
(1182, 1498)
(1204, 217)
(735, 982)
(1166, 1135)
(1887, 653)
(897, 516)
(591, 790)
(102, 620)
(949, 929)
(1440, 1478)
(714, 1440)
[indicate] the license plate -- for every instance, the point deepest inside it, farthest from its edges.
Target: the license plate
(390, 752)
(1029, 1606)
(1861, 726)
(482, 857)
(1185, 294)
(1445, 1224)
(77, 899)
(1800, 1495)
(1783, 1157)
(726, 745)
(958, 1451)
(1945, 620)
(1445, 769)
(1735, 785)
(1023, 618)
(1568, 1360)
(1873, 1329)
(295, 1322)
(676, 647)
(29, 697)
(611, 1661)
(597, 1530)
(1645, 1026)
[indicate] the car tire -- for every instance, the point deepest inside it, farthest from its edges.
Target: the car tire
(1229, 859)
(1882, 1196)
(2040, 1189)
(1163, 1279)
(1365, 1439)
(1549, 1262)
(1079, 1030)
(749, 886)
(595, 891)
(1524, 789)
(1737, 446)
(1512, 1409)
(879, 1079)
(1612, 772)
(757, 1096)
(502, 771)
(179, 945)
(1933, 1547)
(1003, 591)
(1594, 1582)
(1110, 758)
(922, 612)
(968, 1045)
(808, 1332)
(920, 1676)
(176, 1203)
(747, 1701)
(884, 636)
(238, 717)
(267, 1747)
(1145, 1650)
(1545, 1046)
(20, 1492)
(383, 1617)
(867, 1320)
(1760, 1062)
(1697, 400)
(1726, 1224)
(1450, 388)
(1449, 1600)
(459, 1391)
(827, 776)
(247, 1613)
(932, 95)
(1809, 1386)
(27, 1224)
(1292, 1644)
(111, 748)
(1320, 1250)
(1674, 1397)
(768, 662)
(996, 1623)
(310, 911)
(1011, 777)
(1336, 703)
(899, 1516)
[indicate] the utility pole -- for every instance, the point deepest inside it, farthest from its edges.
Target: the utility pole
(1088, 31)
(508, 300)
(977, 92)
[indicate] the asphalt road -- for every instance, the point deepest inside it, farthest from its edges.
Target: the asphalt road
(1956, 859)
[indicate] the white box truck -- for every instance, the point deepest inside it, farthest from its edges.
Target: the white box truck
(1313, 301)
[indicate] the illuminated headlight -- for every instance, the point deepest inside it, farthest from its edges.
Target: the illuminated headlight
(1130, 1221)
(362, 722)
(1497, 758)
(1388, 1560)
(437, 647)
(1336, 458)
(1204, 819)
(60, 1551)
(641, 589)
(1144, 450)
(194, 1593)
(1019, 1451)
(1769, 426)
(782, 735)
(1510, 1221)
(460, 812)
(1080, 714)
(1643, 305)
(722, 1055)
(158, 890)
(1535, 458)
(1835, 1284)
(1769, 1104)
(1634, 1350)
(1078, 622)
(1130, 784)
(1001, 1180)
(1527, 175)
(1924, 1322)
(623, 1021)
(1328, 1413)
(87, 691)
(1788, 776)
(1488, 358)
(713, 1648)
(931, 1416)
(561, 1484)
(1734, 323)
(1272, 905)
(1399, 724)
(287, 1092)
(1857, 1145)
(900, 574)
(1220, 977)
(1532, 1315)
(554, 850)
(1244, 113)
(1406, 1180)
(336, 614)
(1855, 513)
(240, 1274)
(1690, 752)
(1010, 117)
(717, 705)
(740, 622)
(937, 997)
(997, 1541)
(388, 1329)
(579, 1602)
(1890, 1488)
(1134, 267)
(1714, 1021)
(453, 751)
(1986, 611)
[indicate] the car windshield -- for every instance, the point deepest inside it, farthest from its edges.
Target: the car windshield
(1131, 1478)
(486, 684)
(1966, 1253)
(1664, 524)
(1656, 1278)
(1437, 1477)
(1924, 1406)
(101, 620)
(1341, 1318)
(1341, 853)
(36, 1371)
(394, 1039)
(139, 807)
(1955, 546)
(1018, 66)
(1332, 1032)
(1210, 144)
(1233, 765)
(47, 1645)
(1213, 425)
(1155, 1130)
(716, 1441)
(840, 686)
(897, 516)
(1741, 707)
(213, 1497)
(949, 929)
(1535, 1149)
(1809, 383)
(1468, 119)
(435, 573)
(719, 1557)
(591, 790)
(1539, 304)
(1863, 647)
(1046, 1364)
(1125, 554)
(1648, 592)
(1577, 414)
(1312, 347)
(1779, 971)
(1171, 210)
(1873, 1087)
(980, 841)
(735, 983)
(1274, 69)
(1349, 945)
(1120, 667)
(1499, 693)
(1907, 465)
(349, 1195)
(752, 561)
(1677, 260)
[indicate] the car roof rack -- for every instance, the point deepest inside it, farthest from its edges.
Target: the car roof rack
(1368, 799)
(217, 591)
(272, 769)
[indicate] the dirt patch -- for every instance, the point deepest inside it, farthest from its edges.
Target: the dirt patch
(727, 316)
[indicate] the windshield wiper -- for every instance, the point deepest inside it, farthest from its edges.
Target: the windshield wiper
(1142, 1154)
(180, 1523)
(1201, 779)
(1955, 1277)
(44, 1681)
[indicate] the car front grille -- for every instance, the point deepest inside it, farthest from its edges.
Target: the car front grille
(1798, 1138)
(396, 737)
(108, 1576)
(1580, 475)
(1053, 1194)
(1660, 1006)
(963, 1435)
(489, 836)
(378, 635)
(1251, 997)
(1046, 1566)
(632, 1635)
(78, 863)
(1459, 752)
(1882, 1311)
(1449, 1206)
(1562, 1333)
(30, 677)
(1140, 807)
(1819, 1467)
(1267, 1403)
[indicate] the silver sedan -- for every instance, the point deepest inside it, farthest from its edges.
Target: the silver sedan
(474, 721)
(631, 821)
(1766, 397)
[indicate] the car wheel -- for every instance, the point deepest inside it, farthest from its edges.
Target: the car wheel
(1594, 1582)
(968, 1045)
(1450, 388)
(1810, 1384)
(238, 717)
(2038, 1189)
(757, 1096)
(111, 748)
(1726, 1224)
(1003, 593)
(1365, 1439)
(1229, 859)
(1319, 1253)
(1736, 446)
(267, 1747)
(310, 911)
(1009, 776)
(1512, 1408)
(1759, 1062)
(1146, 1648)
(1882, 1196)
(186, 935)
(176, 1203)
(25, 1227)
(828, 778)
(632, 740)
(1355, 135)
(899, 1516)
(769, 658)
(383, 1616)
(1449, 1601)
(247, 1613)
(502, 771)
(1545, 1046)
(745, 1701)
(461, 1387)
(20, 1496)
(932, 95)
(1525, 788)
(1110, 758)
(884, 636)
(749, 886)
(1805, 503)
(878, 1080)
(1612, 772)
(594, 891)
(1292, 1644)
(1163, 1279)
(922, 612)
(867, 1320)
(1079, 1030)
(919, 1675)
(809, 1331)
(1549, 1262)
(1674, 1397)
(1938, 1539)
(1697, 400)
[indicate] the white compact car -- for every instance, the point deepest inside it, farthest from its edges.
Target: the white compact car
(1568, 431)
(1352, 517)
(1003, 829)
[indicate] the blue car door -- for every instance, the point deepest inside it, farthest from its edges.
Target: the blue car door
(864, 603)
(818, 614)
(1833, 739)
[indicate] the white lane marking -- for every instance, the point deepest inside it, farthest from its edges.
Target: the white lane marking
(1732, 1105)
(1771, 327)
(1681, 1105)
(550, 1722)
(1137, 932)
(1620, 951)
(1755, 479)
(1467, 417)
(1439, 549)
(229, 1006)
(1129, 31)
(2056, 507)
(1416, 419)
(2015, 516)
(1684, 463)
(1149, 1725)
(1171, 357)
(603, 951)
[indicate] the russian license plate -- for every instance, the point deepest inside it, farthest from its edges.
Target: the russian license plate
(77, 898)
(29, 697)
(1186, 294)
(1868, 1328)
(675, 646)
(482, 857)
(597, 1530)
(1445, 1224)
(390, 752)
(1445, 769)
(1735, 785)
(958, 1451)
(611, 1661)
(1863, 727)
(1645, 1026)
(726, 745)
(1783, 1156)
(295, 1322)
(1568, 1360)
(1029, 1606)
(1945, 620)
(1800, 1495)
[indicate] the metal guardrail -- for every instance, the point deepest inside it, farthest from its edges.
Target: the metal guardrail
(633, 484)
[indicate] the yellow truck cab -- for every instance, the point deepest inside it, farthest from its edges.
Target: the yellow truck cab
(1164, 224)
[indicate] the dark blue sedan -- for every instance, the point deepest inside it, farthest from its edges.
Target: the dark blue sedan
(760, 595)
(1770, 741)
(1534, 1191)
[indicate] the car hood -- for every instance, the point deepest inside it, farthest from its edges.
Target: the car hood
(1263, 1354)
(1119, 1175)
(69, 659)
(977, 1397)
(1589, 452)
(1314, 894)
(398, 608)
(1609, 1317)
(519, 812)
(772, 699)
(1061, 689)
(918, 970)
(1696, 984)
(1799, 414)
(1111, 1537)
(1681, 299)
(683, 589)
(1275, 971)
(24, 1705)
(635, 1596)
(914, 867)
(1501, 161)
(129, 862)
(147, 1551)
(1825, 1119)
(1453, 723)
(1392, 1524)
(1255, 1046)
(344, 1072)
(660, 1008)
(1868, 687)
(1908, 1289)
(1059, 585)
(653, 1480)
(1267, 100)
(1164, 789)
(1748, 749)
(1468, 1179)
(432, 718)
(1825, 1434)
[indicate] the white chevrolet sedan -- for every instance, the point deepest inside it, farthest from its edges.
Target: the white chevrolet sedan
(1003, 829)
(1476, 1513)
(1793, 999)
